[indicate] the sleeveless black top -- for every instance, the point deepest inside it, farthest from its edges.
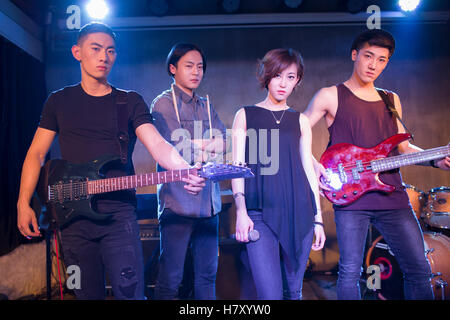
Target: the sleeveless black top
(365, 124)
(280, 188)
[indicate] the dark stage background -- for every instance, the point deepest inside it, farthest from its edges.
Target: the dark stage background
(22, 93)
(418, 72)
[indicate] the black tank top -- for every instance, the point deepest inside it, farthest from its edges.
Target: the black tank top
(280, 188)
(365, 124)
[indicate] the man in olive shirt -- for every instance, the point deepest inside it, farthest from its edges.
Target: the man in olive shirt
(185, 119)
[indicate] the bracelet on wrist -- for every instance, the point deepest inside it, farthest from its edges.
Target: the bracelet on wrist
(433, 164)
(237, 194)
(317, 223)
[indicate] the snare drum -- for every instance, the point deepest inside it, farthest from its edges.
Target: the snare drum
(417, 199)
(437, 211)
(437, 248)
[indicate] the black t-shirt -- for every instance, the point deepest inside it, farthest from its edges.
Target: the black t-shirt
(87, 125)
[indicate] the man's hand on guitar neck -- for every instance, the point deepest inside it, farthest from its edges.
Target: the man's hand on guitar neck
(406, 147)
(194, 184)
(443, 164)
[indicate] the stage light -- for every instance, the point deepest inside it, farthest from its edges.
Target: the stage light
(97, 9)
(293, 3)
(408, 5)
(355, 6)
(159, 7)
(231, 6)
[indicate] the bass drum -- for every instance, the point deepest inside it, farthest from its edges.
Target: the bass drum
(437, 248)
(437, 212)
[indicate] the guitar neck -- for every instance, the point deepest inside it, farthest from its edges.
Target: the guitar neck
(140, 180)
(395, 162)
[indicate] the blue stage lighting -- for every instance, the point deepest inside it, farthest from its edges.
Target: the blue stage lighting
(293, 3)
(408, 5)
(97, 9)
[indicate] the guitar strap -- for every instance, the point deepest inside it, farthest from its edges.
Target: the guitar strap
(121, 101)
(388, 100)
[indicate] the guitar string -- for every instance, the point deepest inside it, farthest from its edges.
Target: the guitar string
(78, 186)
(411, 155)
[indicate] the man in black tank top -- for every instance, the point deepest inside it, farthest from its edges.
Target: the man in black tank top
(355, 114)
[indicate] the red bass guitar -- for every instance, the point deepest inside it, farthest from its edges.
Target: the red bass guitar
(353, 171)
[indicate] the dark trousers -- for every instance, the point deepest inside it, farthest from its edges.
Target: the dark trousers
(274, 274)
(113, 247)
(402, 233)
(177, 232)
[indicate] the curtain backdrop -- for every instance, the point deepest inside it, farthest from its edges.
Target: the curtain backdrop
(22, 94)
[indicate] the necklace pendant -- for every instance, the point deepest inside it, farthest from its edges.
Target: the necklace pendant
(278, 121)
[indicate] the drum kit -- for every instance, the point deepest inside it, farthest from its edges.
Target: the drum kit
(432, 210)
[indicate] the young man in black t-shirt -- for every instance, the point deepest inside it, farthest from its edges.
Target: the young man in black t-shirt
(85, 118)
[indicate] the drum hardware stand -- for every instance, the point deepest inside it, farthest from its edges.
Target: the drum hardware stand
(370, 235)
(50, 227)
(441, 283)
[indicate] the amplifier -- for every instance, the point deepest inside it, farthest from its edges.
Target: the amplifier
(149, 229)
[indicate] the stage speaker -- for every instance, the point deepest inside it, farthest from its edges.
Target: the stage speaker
(146, 206)
(149, 234)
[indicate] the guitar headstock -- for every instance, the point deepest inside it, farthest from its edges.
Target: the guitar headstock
(218, 172)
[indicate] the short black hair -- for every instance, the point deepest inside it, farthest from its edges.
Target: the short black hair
(178, 51)
(375, 37)
(95, 27)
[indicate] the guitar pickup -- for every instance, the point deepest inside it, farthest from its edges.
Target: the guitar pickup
(355, 175)
(355, 171)
(359, 166)
(342, 174)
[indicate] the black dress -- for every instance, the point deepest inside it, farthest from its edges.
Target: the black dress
(280, 188)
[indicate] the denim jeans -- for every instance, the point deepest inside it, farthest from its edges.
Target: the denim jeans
(401, 232)
(274, 274)
(111, 246)
(177, 232)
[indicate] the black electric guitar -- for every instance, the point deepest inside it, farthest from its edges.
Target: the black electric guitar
(67, 189)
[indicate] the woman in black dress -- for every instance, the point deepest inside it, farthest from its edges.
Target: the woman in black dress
(282, 201)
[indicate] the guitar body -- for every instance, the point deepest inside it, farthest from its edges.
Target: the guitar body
(348, 167)
(57, 172)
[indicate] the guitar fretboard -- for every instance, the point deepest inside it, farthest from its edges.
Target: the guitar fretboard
(409, 159)
(136, 181)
